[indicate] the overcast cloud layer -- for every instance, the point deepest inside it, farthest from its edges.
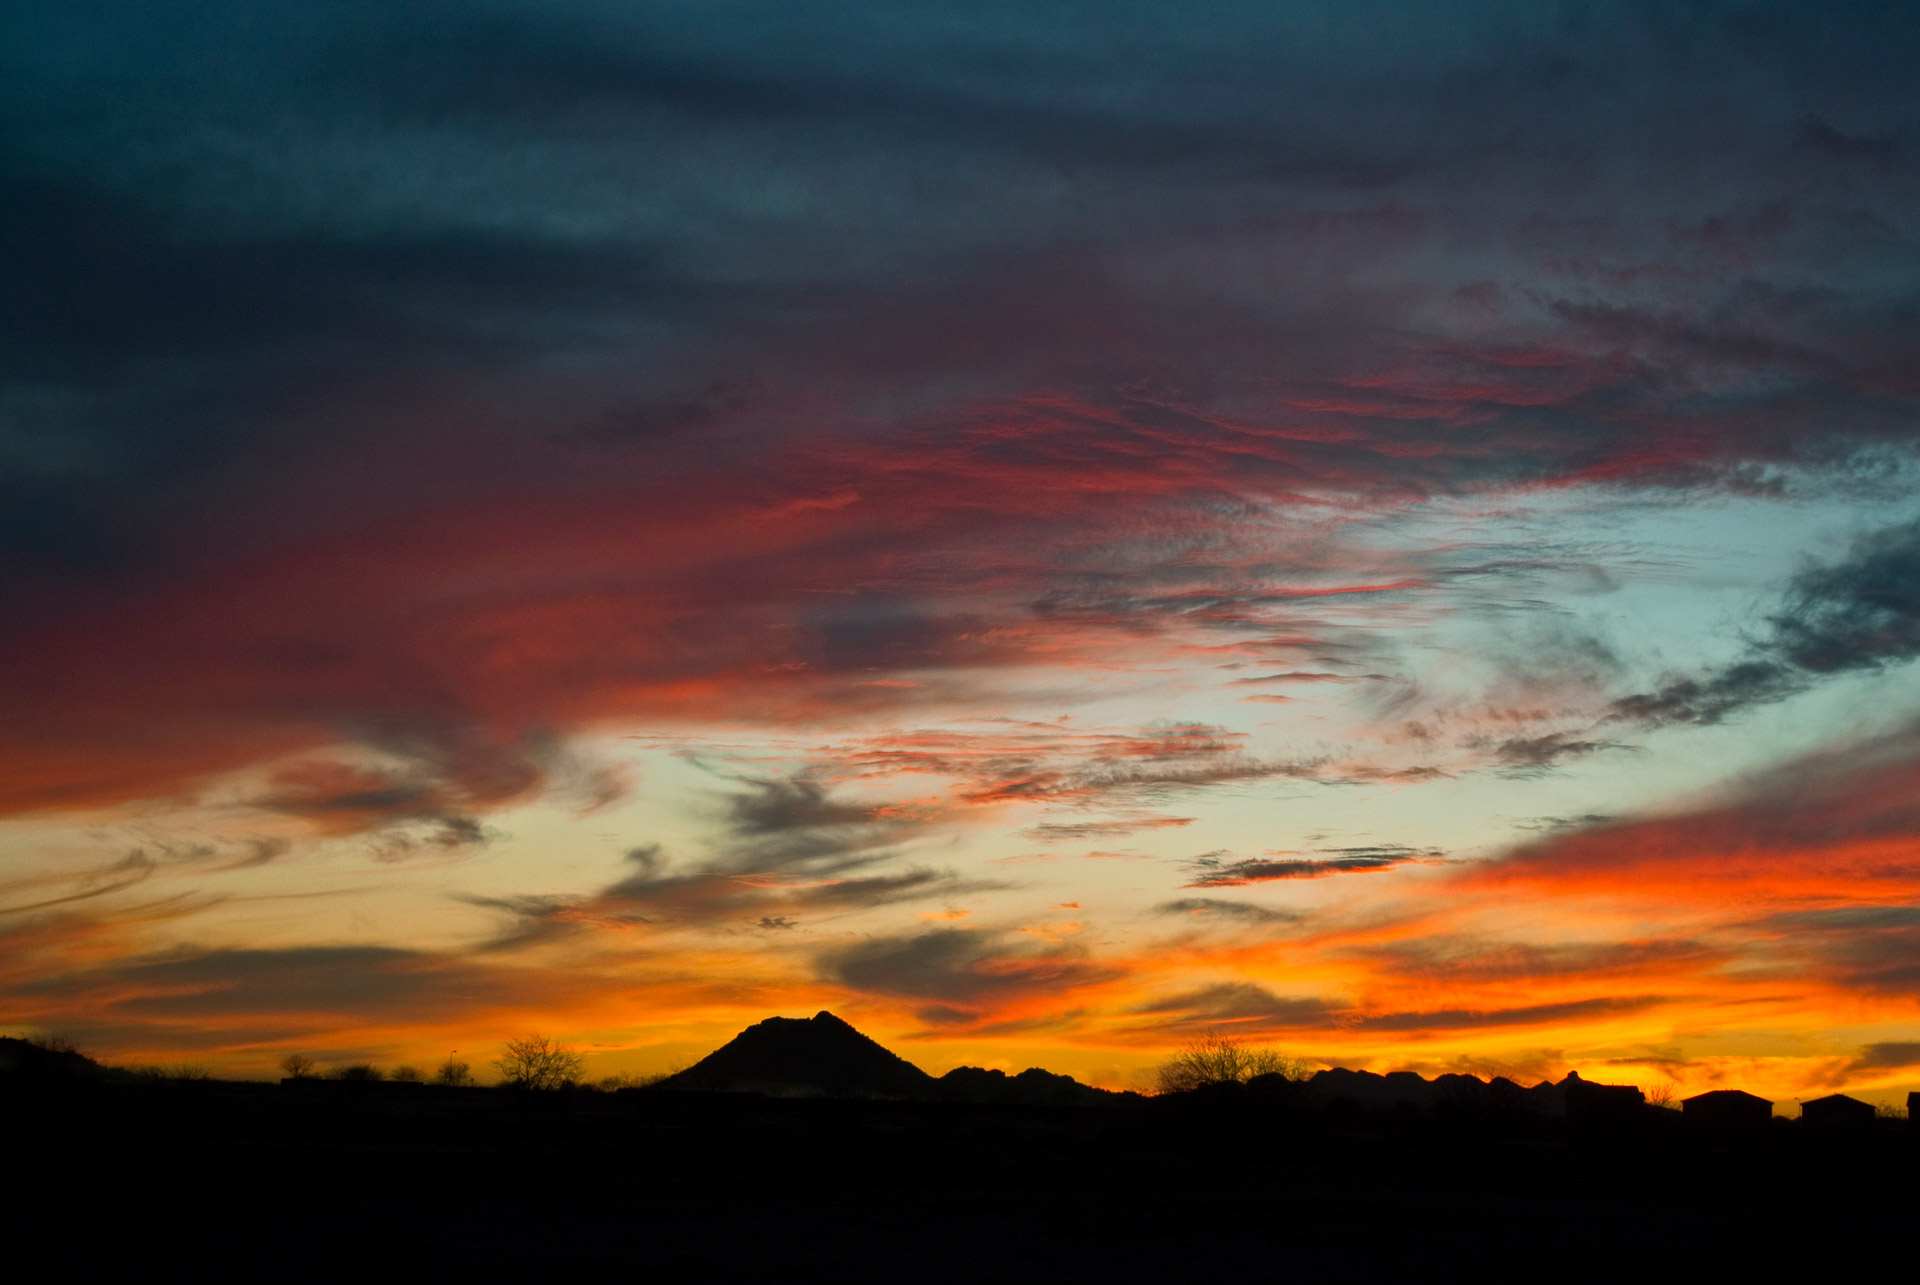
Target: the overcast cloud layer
(1044, 522)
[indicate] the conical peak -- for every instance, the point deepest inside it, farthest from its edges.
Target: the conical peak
(818, 1054)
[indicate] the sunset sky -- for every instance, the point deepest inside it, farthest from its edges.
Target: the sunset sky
(1389, 529)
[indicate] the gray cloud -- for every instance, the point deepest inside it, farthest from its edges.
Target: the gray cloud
(965, 972)
(1889, 1056)
(1048, 830)
(1441, 957)
(791, 850)
(1243, 1002)
(1862, 948)
(1859, 613)
(275, 985)
(603, 175)
(1526, 754)
(566, 249)
(1455, 1019)
(1253, 1006)
(1217, 907)
(1216, 870)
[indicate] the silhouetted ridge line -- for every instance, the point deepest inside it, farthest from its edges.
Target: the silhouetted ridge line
(1032, 1087)
(823, 1056)
(31, 1059)
(1572, 1097)
(792, 1057)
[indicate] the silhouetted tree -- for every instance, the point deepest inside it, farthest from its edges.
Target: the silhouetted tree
(298, 1066)
(453, 1074)
(537, 1062)
(1213, 1058)
(407, 1075)
(365, 1072)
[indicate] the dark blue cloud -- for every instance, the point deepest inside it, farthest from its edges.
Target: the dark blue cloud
(277, 271)
(1858, 613)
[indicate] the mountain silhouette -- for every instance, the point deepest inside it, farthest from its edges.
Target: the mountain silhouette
(804, 1057)
(1032, 1087)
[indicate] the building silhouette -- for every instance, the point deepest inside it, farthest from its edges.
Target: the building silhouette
(1590, 1103)
(1727, 1109)
(1837, 1111)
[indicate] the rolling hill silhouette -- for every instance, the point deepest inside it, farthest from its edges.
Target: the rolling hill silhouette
(797, 1056)
(30, 1059)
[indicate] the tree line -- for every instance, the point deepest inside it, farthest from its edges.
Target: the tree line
(539, 1062)
(536, 1062)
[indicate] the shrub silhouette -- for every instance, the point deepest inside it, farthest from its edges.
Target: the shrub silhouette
(53, 1042)
(1213, 1058)
(407, 1075)
(623, 1080)
(537, 1062)
(453, 1074)
(364, 1072)
(298, 1066)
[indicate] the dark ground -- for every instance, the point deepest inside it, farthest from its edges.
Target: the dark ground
(333, 1182)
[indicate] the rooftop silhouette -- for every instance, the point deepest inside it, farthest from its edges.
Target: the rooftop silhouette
(1727, 1109)
(1837, 1111)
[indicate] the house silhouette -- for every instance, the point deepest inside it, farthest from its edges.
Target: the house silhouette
(1837, 1111)
(1726, 1109)
(1589, 1103)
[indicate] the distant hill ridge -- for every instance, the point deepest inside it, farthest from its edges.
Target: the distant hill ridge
(1571, 1096)
(33, 1059)
(823, 1056)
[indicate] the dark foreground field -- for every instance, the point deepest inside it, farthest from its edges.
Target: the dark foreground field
(344, 1183)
